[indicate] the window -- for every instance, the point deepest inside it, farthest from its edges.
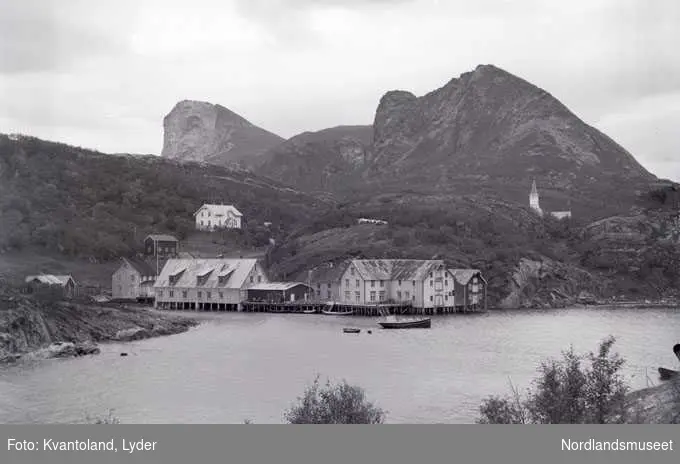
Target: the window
(382, 283)
(201, 221)
(184, 293)
(221, 295)
(172, 294)
(347, 296)
(318, 285)
(329, 285)
(358, 285)
(431, 283)
(400, 283)
(330, 294)
(346, 282)
(414, 283)
(446, 297)
(431, 298)
(406, 296)
(207, 294)
(132, 278)
(120, 289)
(351, 271)
(120, 277)
(372, 283)
(430, 275)
(200, 294)
(208, 221)
(413, 298)
(357, 296)
(446, 283)
(399, 295)
(372, 296)
(382, 295)
(160, 293)
(259, 279)
(252, 279)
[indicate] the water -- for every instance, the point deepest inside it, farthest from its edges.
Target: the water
(252, 366)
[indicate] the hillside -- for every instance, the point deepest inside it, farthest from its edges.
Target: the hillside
(203, 132)
(84, 204)
(486, 131)
(323, 161)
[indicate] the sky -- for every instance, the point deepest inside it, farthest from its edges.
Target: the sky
(103, 74)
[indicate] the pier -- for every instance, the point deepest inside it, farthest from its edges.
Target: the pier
(375, 310)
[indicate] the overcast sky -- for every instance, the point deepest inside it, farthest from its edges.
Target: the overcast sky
(102, 74)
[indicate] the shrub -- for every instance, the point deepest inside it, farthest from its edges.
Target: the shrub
(334, 404)
(566, 392)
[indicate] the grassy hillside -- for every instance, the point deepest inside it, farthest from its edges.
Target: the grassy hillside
(85, 204)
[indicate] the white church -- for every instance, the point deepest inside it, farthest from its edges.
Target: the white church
(536, 207)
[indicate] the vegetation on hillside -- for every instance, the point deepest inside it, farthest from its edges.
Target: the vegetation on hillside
(88, 204)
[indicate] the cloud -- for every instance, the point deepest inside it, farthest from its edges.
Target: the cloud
(104, 74)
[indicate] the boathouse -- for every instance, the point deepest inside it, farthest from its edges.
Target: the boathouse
(133, 280)
(419, 283)
(279, 292)
(207, 284)
(470, 288)
(48, 284)
(325, 280)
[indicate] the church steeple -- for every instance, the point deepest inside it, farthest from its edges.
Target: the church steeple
(533, 198)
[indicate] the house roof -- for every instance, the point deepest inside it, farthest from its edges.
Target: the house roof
(50, 279)
(188, 270)
(395, 269)
(161, 238)
(141, 266)
(218, 210)
(277, 286)
(324, 273)
(463, 276)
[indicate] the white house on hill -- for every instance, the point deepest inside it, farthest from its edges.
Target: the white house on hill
(213, 217)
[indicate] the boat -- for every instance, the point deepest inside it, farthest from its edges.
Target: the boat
(309, 311)
(406, 324)
(338, 313)
(676, 350)
(667, 374)
(351, 330)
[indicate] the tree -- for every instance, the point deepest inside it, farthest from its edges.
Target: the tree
(334, 404)
(566, 392)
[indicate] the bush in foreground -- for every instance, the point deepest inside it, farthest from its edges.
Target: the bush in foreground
(334, 404)
(578, 389)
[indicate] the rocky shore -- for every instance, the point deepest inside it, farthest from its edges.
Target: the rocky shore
(32, 329)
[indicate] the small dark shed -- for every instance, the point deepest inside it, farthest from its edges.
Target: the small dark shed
(280, 292)
(161, 245)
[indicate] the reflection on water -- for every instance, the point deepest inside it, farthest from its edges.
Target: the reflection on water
(237, 366)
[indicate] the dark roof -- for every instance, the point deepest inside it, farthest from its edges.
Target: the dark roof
(324, 273)
(141, 266)
(162, 237)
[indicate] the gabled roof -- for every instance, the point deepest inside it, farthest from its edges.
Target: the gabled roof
(395, 269)
(50, 279)
(141, 266)
(327, 272)
(187, 271)
(161, 238)
(220, 209)
(463, 276)
(277, 286)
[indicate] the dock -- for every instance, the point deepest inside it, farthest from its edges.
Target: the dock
(374, 310)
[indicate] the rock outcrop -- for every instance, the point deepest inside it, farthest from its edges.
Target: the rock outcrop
(549, 284)
(203, 132)
(655, 405)
(30, 329)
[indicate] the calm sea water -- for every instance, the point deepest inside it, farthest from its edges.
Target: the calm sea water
(252, 366)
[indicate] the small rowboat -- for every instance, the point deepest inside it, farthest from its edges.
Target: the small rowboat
(351, 330)
(676, 350)
(309, 311)
(408, 324)
(667, 374)
(338, 313)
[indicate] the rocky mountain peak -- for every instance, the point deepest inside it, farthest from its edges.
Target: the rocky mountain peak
(206, 132)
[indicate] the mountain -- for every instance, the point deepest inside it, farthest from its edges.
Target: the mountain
(320, 161)
(485, 131)
(203, 132)
(80, 203)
